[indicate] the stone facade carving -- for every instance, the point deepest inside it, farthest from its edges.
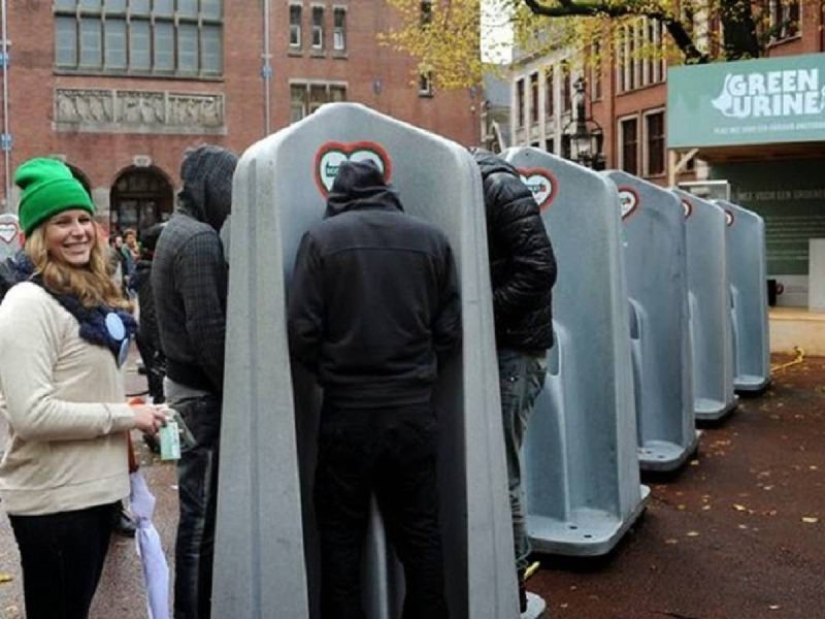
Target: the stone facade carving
(126, 111)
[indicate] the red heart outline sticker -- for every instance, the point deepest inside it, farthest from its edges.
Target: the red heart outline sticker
(688, 207)
(629, 200)
(542, 184)
(9, 232)
(332, 154)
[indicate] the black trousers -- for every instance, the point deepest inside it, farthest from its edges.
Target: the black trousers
(198, 496)
(391, 453)
(62, 556)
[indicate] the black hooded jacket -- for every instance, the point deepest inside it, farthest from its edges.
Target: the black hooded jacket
(374, 297)
(522, 263)
(189, 274)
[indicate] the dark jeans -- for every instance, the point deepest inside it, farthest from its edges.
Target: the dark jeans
(198, 493)
(155, 363)
(62, 556)
(391, 453)
(522, 378)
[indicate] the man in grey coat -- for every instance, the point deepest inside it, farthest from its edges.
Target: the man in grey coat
(189, 284)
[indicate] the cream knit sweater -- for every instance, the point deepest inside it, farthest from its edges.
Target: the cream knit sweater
(64, 402)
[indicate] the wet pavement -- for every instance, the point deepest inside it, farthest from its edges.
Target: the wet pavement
(738, 532)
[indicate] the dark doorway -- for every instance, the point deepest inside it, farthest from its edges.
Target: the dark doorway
(140, 197)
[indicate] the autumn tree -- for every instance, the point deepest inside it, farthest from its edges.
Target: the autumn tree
(445, 35)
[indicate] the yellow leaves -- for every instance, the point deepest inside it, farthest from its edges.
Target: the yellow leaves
(448, 46)
(4, 578)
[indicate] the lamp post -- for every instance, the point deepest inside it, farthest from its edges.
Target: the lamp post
(582, 139)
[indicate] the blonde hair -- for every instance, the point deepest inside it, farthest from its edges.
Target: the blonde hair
(91, 284)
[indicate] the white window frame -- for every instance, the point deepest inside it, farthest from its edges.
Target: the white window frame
(339, 33)
(317, 29)
(295, 29)
(645, 141)
(425, 84)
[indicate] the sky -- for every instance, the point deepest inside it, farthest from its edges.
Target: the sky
(496, 32)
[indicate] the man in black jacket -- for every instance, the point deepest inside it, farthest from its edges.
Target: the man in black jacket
(522, 271)
(374, 306)
(148, 337)
(189, 285)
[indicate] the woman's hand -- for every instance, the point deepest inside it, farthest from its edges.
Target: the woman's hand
(148, 418)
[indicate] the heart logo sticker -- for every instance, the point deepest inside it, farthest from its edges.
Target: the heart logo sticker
(542, 184)
(629, 201)
(729, 217)
(9, 232)
(688, 208)
(331, 155)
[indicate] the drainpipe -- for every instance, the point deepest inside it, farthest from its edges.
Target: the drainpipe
(266, 70)
(5, 141)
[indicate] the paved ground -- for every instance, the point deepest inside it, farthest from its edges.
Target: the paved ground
(737, 533)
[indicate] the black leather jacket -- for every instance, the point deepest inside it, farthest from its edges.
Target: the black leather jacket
(522, 263)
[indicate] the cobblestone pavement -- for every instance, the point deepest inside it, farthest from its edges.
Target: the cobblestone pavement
(737, 533)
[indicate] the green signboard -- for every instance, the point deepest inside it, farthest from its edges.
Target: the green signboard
(766, 101)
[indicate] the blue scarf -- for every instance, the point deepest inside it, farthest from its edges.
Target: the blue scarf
(92, 321)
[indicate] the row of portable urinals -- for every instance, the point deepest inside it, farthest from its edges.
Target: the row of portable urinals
(660, 316)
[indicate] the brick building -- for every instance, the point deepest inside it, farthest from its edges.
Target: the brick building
(627, 95)
(120, 88)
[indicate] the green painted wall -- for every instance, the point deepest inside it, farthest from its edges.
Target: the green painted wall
(791, 198)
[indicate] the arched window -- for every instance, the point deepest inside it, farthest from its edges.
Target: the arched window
(140, 197)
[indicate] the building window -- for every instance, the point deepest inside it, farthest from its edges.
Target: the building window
(306, 97)
(629, 136)
(783, 19)
(549, 94)
(595, 71)
(520, 103)
(317, 27)
(655, 144)
(136, 36)
(566, 90)
(550, 145)
(534, 98)
(295, 25)
(425, 84)
(640, 57)
(426, 13)
(339, 31)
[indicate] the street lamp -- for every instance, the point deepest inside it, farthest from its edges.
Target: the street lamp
(582, 138)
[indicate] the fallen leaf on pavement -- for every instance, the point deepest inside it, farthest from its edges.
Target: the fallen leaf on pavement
(810, 520)
(4, 578)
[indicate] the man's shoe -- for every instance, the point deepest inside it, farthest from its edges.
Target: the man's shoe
(522, 591)
(124, 524)
(152, 443)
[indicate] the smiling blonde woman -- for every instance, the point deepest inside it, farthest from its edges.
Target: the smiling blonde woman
(64, 335)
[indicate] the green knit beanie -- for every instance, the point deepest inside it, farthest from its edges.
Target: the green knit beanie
(48, 187)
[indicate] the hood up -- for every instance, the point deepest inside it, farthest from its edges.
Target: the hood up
(360, 185)
(207, 173)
